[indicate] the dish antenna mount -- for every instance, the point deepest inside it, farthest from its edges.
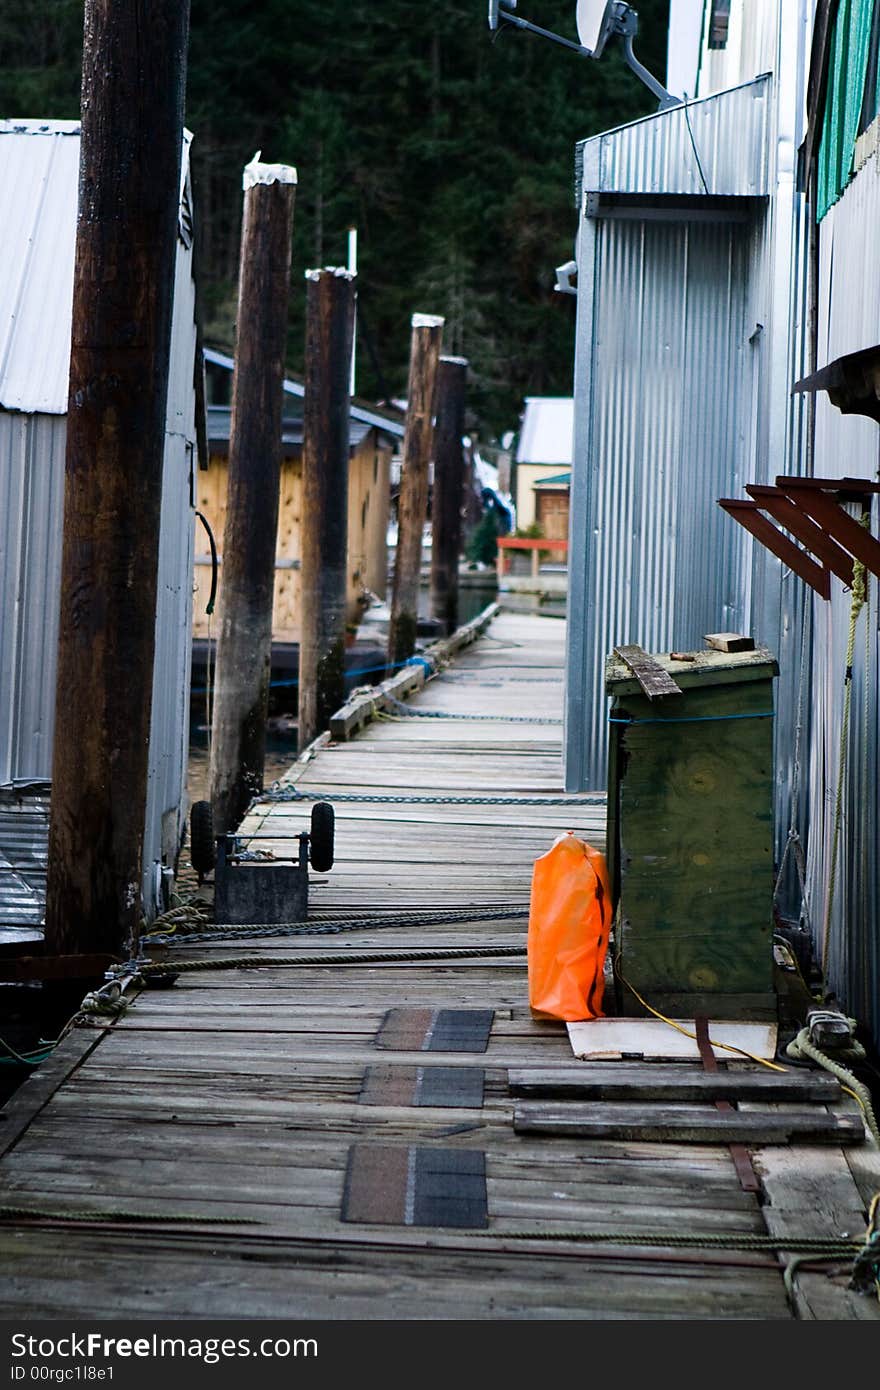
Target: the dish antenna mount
(597, 21)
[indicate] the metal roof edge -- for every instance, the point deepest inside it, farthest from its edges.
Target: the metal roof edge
(368, 415)
(712, 146)
(691, 104)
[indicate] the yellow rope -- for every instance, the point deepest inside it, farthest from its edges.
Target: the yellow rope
(728, 1047)
(859, 598)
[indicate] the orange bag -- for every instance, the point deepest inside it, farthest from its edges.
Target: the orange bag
(569, 922)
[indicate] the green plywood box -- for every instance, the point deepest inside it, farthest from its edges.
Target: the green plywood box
(690, 835)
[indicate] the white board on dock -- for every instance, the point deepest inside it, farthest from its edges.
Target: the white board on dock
(606, 1039)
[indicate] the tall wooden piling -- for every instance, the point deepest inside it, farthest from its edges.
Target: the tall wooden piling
(244, 641)
(448, 493)
(330, 302)
(134, 75)
(412, 510)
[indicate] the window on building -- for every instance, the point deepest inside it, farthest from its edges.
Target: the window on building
(719, 23)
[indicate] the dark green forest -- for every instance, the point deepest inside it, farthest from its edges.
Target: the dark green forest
(451, 152)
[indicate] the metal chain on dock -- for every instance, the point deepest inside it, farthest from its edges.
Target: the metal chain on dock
(157, 969)
(319, 927)
(844, 1247)
(405, 712)
(291, 792)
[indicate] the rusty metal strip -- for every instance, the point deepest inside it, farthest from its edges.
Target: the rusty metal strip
(742, 1159)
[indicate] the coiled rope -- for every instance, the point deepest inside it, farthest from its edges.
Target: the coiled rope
(802, 1046)
(859, 598)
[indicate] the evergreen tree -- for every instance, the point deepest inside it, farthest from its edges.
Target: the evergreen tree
(453, 154)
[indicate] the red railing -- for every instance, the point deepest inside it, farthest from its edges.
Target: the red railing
(506, 543)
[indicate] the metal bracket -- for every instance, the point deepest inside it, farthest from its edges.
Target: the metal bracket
(563, 278)
(809, 509)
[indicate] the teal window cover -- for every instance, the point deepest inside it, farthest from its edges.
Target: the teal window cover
(844, 98)
(871, 103)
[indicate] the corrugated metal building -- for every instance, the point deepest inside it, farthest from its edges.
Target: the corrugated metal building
(671, 369)
(844, 117)
(694, 312)
(39, 170)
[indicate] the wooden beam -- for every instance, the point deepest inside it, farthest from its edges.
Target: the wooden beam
(839, 524)
(447, 497)
(134, 74)
(687, 1124)
(729, 642)
(244, 640)
(749, 515)
(412, 508)
(651, 676)
(365, 704)
(621, 1081)
(804, 529)
(326, 449)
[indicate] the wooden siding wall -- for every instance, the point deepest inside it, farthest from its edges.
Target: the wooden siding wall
(368, 491)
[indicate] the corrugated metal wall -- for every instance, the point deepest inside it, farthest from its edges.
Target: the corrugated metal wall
(663, 429)
(849, 319)
(169, 735)
(31, 517)
(31, 502)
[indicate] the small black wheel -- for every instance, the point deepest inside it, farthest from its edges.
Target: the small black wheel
(201, 838)
(321, 837)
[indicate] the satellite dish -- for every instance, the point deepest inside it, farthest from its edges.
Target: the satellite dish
(493, 11)
(595, 20)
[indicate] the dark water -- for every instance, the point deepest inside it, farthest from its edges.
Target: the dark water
(280, 753)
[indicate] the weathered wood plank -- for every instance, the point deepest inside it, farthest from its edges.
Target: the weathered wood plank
(654, 681)
(684, 1122)
(654, 1082)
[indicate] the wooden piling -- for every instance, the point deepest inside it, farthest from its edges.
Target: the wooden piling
(448, 492)
(134, 75)
(244, 642)
(330, 301)
(412, 509)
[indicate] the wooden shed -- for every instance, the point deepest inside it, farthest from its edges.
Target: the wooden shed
(373, 436)
(690, 832)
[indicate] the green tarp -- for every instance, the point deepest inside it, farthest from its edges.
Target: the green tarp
(844, 94)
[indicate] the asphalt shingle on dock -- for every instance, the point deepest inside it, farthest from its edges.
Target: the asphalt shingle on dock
(234, 1107)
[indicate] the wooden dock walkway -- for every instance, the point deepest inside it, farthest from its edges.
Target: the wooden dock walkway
(329, 1133)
